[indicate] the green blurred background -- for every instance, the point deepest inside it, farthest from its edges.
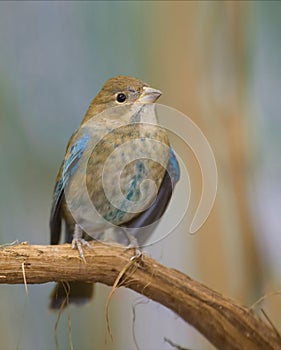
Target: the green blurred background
(217, 62)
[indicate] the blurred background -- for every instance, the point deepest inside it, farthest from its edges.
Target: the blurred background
(216, 61)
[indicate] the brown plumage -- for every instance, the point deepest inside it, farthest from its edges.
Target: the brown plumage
(121, 115)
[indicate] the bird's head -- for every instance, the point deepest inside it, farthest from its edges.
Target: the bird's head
(122, 90)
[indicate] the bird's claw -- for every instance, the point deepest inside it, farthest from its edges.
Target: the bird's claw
(79, 242)
(137, 252)
(138, 255)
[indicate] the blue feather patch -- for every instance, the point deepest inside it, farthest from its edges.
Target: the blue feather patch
(70, 165)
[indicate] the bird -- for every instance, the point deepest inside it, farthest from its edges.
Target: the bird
(117, 176)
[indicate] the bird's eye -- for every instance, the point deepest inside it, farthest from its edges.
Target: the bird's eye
(121, 97)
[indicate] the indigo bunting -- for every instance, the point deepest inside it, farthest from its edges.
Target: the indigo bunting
(117, 176)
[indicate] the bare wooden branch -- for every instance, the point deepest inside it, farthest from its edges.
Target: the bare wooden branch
(224, 322)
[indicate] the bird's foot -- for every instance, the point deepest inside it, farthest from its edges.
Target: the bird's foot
(137, 256)
(78, 242)
(133, 244)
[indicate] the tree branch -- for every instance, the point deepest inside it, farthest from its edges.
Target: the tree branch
(225, 323)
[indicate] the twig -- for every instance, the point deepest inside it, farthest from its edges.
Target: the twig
(225, 323)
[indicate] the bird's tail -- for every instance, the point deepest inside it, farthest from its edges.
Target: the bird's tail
(77, 293)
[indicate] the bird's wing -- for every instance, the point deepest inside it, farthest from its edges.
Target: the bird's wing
(151, 215)
(75, 149)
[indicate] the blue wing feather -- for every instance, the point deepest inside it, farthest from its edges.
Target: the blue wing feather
(68, 168)
(173, 168)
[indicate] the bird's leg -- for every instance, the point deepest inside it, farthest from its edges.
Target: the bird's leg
(133, 244)
(78, 241)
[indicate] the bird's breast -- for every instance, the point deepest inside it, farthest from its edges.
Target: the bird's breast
(126, 169)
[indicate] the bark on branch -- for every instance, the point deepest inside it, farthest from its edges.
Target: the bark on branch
(225, 323)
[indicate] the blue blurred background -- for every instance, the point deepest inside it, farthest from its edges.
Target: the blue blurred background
(219, 63)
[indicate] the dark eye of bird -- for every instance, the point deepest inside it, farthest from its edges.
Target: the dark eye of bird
(121, 97)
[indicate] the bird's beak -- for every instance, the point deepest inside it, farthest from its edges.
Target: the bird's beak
(149, 95)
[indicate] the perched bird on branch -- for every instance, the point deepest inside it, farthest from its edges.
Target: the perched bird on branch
(117, 176)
